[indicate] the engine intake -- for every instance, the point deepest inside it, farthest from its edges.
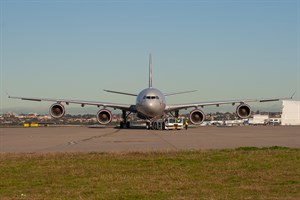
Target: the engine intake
(243, 111)
(104, 116)
(197, 116)
(57, 110)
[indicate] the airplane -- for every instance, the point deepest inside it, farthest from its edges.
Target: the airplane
(150, 106)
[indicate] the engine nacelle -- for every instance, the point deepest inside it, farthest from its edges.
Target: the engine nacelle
(243, 111)
(57, 110)
(197, 116)
(104, 116)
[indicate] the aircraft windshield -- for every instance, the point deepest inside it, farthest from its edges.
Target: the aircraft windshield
(150, 97)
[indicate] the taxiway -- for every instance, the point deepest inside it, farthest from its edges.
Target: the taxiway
(84, 139)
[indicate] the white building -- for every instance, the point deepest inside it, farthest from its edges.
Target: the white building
(290, 113)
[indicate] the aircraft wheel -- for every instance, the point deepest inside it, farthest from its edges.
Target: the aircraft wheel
(163, 126)
(155, 126)
(127, 124)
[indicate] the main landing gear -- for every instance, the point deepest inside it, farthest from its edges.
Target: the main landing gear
(124, 121)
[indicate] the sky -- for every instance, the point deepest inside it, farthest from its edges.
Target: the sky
(74, 49)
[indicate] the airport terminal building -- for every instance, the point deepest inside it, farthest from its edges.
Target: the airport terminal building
(290, 113)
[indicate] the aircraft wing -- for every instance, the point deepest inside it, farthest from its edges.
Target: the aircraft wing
(171, 108)
(126, 107)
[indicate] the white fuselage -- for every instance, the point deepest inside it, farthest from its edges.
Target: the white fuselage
(150, 103)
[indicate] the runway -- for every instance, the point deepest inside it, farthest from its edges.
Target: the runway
(84, 139)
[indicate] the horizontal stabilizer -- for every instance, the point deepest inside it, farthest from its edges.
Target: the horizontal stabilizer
(123, 93)
(170, 94)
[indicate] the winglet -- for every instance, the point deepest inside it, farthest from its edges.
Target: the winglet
(150, 70)
(8, 96)
(293, 95)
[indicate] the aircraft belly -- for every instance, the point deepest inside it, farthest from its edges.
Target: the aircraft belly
(145, 114)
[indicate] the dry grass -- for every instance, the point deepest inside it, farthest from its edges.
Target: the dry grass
(245, 173)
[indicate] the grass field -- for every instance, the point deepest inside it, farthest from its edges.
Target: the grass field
(244, 173)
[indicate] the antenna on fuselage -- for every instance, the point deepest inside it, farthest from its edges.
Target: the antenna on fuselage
(150, 70)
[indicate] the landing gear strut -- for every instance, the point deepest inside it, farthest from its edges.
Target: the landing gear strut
(124, 121)
(176, 113)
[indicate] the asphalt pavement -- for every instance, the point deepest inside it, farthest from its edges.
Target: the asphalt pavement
(110, 139)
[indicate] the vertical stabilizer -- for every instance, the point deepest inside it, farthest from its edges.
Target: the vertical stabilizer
(150, 70)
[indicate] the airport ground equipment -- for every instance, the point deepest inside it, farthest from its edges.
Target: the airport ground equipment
(169, 123)
(31, 125)
(259, 120)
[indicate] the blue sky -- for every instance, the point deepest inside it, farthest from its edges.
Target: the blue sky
(75, 49)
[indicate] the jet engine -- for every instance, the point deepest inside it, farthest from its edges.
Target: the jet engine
(197, 116)
(104, 116)
(243, 111)
(57, 110)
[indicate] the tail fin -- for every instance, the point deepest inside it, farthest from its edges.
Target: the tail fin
(150, 70)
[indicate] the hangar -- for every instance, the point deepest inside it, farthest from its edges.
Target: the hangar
(290, 112)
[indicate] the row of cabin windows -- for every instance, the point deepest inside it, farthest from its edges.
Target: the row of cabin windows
(150, 97)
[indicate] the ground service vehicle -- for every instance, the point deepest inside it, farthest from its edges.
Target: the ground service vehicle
(170, 123)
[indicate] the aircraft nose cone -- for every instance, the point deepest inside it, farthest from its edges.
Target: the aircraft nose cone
(152, 108)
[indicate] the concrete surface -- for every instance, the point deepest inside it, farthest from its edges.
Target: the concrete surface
(84, 139)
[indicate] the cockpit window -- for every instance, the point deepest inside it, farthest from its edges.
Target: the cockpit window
(150, 97)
